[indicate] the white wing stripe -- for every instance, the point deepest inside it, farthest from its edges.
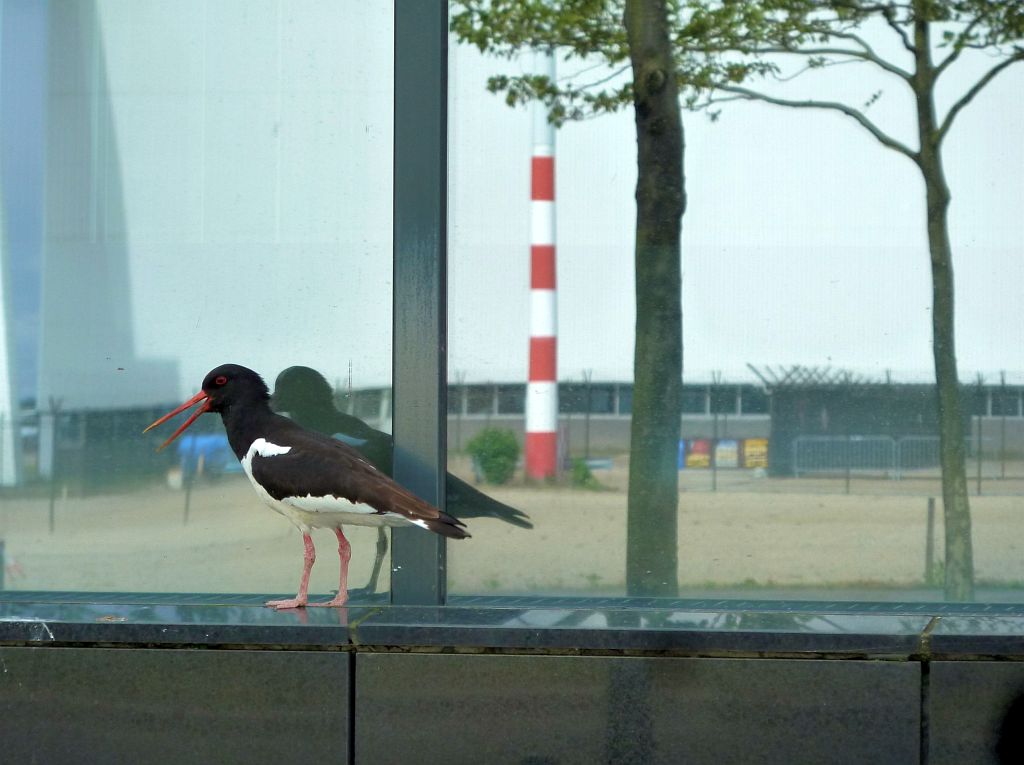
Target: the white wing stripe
(328, 504)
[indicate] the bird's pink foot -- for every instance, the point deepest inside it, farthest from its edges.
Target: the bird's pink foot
(280, 605)
(338, 600)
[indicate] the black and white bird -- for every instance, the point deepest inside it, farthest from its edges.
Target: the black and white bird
(308, 399)
(313, 480)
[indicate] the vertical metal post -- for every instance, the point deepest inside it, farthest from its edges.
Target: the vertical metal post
(978, 463)
(849, 458)
(929, 545)
(1002, 424)
(460, 382)
(981, 393)
(716, 382)
(55, 464)
(420, 243)
(588, 375)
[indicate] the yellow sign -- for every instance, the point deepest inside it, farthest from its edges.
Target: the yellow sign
(755, 452)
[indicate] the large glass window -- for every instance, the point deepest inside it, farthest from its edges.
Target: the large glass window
(183, 186)
(808, 457)
(186, 188)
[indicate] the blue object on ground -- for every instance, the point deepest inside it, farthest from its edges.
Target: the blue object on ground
(218, 458)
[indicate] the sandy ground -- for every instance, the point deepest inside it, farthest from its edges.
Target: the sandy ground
(752, 532)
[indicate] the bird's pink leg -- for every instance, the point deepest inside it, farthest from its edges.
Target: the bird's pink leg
(308, 559)
(345, 554)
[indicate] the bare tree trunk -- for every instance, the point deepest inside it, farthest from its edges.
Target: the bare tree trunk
(652, 546)
(956, 506)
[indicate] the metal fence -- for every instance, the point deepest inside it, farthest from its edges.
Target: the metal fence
(843, 454)
(916, 453)
(877, 455)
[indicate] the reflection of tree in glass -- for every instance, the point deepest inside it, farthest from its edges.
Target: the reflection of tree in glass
(306, 396)
(633, 35)
(819, 35)
(717, 48)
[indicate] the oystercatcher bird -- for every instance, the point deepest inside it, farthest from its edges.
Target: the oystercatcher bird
(313, 480)
(307, 398)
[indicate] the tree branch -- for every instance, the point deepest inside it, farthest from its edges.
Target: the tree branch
(887, 11)
(962, 41)
(864, 55)
(884, 138)
(809, 67)
(870, 55)
(975, 89)
(890, 18)
(611, 76)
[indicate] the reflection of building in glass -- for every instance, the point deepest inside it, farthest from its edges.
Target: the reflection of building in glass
(828, 421)
(902, 414)
(87, 355)
(22, 71)
(66, 256)
(137, 181)
(736, 425)
(599, 411)
(158, 192)
(9, 410)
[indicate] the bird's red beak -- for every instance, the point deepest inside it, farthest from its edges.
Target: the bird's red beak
(200, 396)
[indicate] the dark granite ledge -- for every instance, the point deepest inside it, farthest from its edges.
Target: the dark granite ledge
(672, 630)
(126, 624)
(685, 627)
(978, 636)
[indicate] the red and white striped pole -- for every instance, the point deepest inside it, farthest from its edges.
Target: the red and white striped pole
(542, 389)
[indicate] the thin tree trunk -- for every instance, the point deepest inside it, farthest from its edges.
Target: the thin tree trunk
(651, 547)
(956, 506)
(959, 583)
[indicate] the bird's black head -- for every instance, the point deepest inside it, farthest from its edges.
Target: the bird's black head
(231, 384)
(224, 388)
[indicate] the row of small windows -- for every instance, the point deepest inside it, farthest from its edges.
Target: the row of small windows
(579, 398)
(617, 399)
(603, 398)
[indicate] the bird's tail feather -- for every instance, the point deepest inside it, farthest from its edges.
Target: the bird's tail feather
(466, 501)
(447, 526)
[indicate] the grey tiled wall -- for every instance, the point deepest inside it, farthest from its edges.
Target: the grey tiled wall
(543, 709)
(132, 705)
(975, 712)
(167, 705)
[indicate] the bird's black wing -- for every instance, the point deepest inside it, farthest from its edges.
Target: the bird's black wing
(319, 466)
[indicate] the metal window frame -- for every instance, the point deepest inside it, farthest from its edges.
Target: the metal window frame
(419, 385)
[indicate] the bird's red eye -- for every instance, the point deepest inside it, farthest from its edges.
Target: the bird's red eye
(221, 380)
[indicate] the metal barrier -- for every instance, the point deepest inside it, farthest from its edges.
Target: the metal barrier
(841, 454)
(915, 453)
(864, 454)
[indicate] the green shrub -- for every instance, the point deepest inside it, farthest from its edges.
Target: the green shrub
(582, 477)
(496, 451)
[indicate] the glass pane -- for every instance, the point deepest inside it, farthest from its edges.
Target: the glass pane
(808, 456)
(184, 186)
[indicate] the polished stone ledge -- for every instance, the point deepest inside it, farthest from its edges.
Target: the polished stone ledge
(693, 627)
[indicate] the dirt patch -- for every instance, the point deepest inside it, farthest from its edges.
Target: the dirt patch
(754, 532)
